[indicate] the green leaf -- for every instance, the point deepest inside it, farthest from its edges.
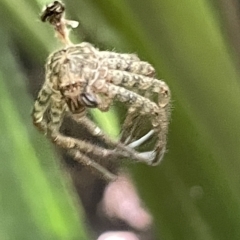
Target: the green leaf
(35, 203)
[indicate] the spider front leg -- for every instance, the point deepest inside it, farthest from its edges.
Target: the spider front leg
(139, 82)
(121, 56)
(150, 88)
(158, 115)
(124, 62)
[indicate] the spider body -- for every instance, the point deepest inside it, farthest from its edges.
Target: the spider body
(79, 77)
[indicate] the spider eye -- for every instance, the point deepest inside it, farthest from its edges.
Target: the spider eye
(89, 100)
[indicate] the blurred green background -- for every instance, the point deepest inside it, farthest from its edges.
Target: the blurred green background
(194, 45)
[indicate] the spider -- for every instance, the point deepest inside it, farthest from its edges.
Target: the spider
(79, 77)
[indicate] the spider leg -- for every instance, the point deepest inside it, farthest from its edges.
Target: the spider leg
(122, 56)
(130, 125)
(75, 147)
(78, 156)
(94, 129)
(141, 82)
(129, 65)
(160, 121)
(79, 149)
(148, 86)
(40, 107)
(160, 128)
(120, 148)
(159, 116)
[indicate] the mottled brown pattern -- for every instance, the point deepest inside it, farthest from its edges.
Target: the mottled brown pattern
(79, 77)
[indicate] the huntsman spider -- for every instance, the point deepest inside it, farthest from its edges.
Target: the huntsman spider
(80, 77)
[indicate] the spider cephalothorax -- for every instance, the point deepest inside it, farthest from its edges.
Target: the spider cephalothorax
(80, 76)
